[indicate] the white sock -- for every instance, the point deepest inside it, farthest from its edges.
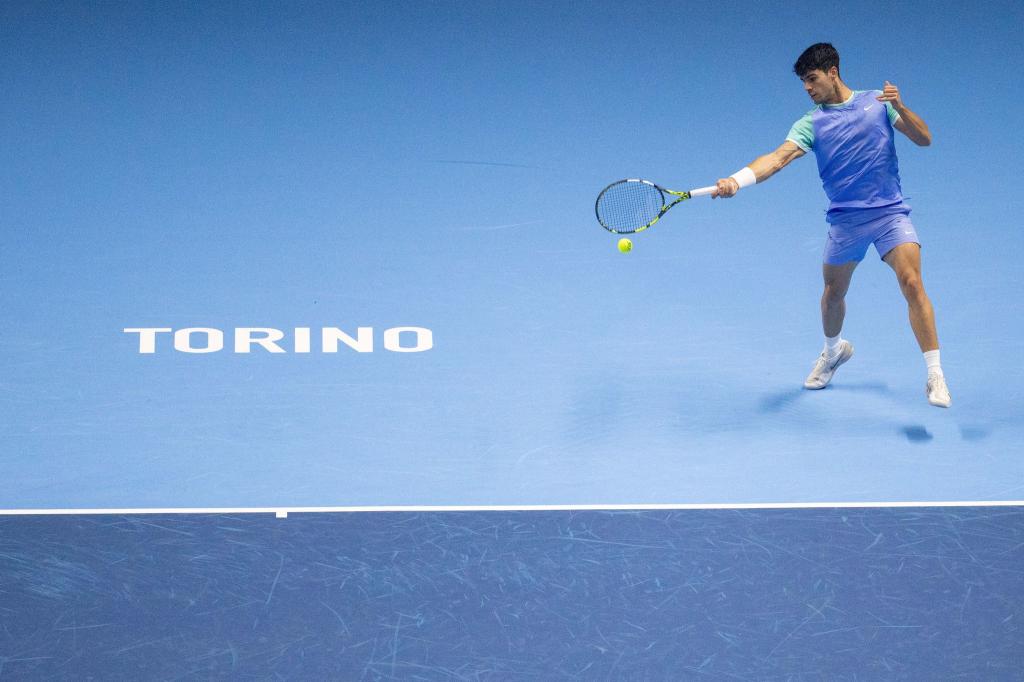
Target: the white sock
(931, 359)
(832, 344)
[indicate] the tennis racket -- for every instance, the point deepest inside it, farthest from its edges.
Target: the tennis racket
(633, 205)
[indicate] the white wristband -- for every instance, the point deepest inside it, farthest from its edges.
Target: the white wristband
(744, 177)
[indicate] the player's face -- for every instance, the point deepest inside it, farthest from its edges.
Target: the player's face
(822, 87)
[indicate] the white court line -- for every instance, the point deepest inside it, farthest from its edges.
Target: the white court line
(282, 512)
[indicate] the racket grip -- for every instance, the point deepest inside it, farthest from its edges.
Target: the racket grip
(702, 191)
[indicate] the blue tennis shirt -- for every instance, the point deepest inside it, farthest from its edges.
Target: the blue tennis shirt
(856, 152)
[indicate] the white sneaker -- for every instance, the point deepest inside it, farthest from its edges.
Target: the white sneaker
(938, 394)
(824, 367)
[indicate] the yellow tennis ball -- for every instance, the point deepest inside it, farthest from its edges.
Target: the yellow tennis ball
(625, 246)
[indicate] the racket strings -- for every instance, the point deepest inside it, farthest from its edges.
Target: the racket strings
(629, 206)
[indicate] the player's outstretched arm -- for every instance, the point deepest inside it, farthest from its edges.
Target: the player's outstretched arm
(759, 170)
(909, 123)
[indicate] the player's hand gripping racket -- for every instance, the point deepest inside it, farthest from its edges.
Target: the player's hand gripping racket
(629, 206)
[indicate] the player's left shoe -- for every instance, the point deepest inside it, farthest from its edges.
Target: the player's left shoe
(938, 394)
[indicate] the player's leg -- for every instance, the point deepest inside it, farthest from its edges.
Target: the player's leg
(833, 312)
(833, 299)
(905, 260)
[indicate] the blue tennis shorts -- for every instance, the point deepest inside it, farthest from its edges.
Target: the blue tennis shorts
(850, 236)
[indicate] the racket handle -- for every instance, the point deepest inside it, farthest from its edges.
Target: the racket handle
(702, 191)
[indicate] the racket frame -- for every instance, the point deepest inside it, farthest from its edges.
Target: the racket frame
(665, 206)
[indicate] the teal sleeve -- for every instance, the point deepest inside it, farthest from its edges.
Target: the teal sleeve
(893, 116)
(802, 132)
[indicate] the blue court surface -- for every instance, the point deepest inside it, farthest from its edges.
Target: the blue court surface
(315, 363)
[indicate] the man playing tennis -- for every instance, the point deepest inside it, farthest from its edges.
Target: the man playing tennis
(851, 134)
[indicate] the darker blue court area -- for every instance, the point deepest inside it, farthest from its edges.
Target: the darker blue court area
(879, 593)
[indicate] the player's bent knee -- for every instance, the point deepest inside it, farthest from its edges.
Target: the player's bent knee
(913, 287)
(834, 293)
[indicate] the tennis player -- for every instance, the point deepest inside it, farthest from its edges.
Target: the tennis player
(851, 134)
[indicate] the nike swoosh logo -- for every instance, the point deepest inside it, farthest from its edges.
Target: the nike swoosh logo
(868, 107)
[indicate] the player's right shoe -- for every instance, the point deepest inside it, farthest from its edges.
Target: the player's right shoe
(825, 366)
(938, 394)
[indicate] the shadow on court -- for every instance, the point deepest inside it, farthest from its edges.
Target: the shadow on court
(970, 433)
(777, 402)
(917, 434)
(876, 387)
(975, 432)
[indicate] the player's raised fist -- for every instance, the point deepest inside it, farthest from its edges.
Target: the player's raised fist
(891, 94)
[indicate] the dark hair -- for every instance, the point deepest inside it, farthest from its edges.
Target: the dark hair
(818, 56)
